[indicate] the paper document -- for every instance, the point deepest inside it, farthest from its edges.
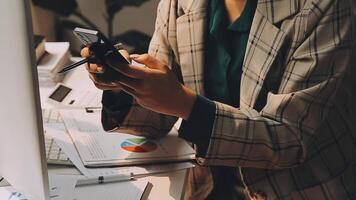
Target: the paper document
(123, 149)
(81, 121)
(98, 148)
(57, 57)
(10, 193)
(130, 190)
(63, 188)
(139, 171)
(58, 132)
(60, 188)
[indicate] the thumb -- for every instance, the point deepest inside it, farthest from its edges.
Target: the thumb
(148, 61)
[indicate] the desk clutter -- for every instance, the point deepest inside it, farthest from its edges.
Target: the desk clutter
(103, 165)
(94, 152)
(76, 138)
(51, 58)
(110, 165)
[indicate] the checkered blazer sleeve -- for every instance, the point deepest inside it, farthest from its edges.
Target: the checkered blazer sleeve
(139, 120)
(313, 78)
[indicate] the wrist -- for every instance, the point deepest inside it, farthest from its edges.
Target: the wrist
(116, 91)
(187, 103)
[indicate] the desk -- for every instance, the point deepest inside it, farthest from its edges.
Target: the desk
(167, 186)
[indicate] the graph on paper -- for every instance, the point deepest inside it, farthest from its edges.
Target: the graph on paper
(138, 145)
(101, 149)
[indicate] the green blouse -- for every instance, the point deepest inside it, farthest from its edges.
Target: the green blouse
(225, 48)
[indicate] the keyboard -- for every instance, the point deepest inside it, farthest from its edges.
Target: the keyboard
(54, 153)
(51, 116)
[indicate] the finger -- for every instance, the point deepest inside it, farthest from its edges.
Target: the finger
(116, 86)
(149, 61)
(85, 52)
(102, 83)
(129, 70)
(120, 47)
(136, 71)
(94, 68)
(112, 88)
(134, 84)
(144, 59)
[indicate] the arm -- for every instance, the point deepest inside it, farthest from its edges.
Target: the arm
(281, 135)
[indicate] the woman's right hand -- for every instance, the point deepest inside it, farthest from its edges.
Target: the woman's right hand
(95, 69)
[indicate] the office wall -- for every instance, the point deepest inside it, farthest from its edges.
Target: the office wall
(43, 22)
(140, 18)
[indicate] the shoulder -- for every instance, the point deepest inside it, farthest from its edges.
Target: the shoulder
(180, 7)
(278, 10)
(326, 8)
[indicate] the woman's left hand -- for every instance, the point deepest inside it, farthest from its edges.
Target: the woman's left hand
(156, 87)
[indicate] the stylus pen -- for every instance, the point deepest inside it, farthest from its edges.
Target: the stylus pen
(74, 65)
(118, 46)
(104, 179)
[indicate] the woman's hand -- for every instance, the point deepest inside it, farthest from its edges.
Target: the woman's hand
(156, 87)
(95, 69)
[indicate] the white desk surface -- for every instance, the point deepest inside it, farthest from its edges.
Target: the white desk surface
(167, 186)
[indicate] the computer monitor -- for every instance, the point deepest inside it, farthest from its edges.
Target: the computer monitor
(22, 151)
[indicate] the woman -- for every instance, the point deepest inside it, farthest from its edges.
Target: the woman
(264, 91)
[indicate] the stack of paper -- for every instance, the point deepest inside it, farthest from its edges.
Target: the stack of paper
(59, 132)
(40, 46)
(56, 57)
(97, 148)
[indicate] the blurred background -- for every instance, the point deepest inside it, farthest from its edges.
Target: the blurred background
(130, 22)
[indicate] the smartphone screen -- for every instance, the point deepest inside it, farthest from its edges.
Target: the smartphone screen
(86, 36)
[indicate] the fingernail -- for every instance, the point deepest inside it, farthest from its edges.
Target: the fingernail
(134, 56)
(99, 69)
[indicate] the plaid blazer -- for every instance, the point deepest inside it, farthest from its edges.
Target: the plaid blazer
(301, 144)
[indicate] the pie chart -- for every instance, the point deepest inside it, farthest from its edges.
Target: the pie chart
(138, 145)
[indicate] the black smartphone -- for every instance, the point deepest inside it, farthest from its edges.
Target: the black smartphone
(103, 49)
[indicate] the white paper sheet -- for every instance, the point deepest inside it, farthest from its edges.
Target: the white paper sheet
(9, 193)
(98, 148)
(61, 188)
(130, 190)
(57, 131)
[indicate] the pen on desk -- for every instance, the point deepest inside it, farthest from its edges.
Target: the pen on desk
(104, 179)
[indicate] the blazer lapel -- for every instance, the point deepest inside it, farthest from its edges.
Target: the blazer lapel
(278, 10)
(264, 44)
(191, 29)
